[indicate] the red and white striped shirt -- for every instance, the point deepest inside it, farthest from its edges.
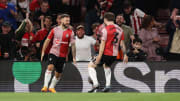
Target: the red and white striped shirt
(136, 19)
(98, 36)
(112, 35)
(61, 40)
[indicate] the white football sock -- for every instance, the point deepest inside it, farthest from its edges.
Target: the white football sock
(93, 76)
(54, 82)
(47, 78)
(107, 76)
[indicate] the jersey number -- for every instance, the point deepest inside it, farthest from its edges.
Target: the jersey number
(115, 38)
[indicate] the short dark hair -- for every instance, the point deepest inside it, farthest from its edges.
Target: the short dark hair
(59, 14)
(64, 15)
(147, 21)
(44, 1)
(109, 16)
(48, 17)
(127, 4)
(137, 40)
(94, 25)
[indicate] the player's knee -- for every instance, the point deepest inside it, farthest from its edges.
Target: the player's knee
(106, 66)
(50, 67)
(58, 75)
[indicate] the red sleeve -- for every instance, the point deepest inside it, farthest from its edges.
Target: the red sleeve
(33, 5)
(72, 38)
(36, 37)
(51, 34)
(3, 6)
(122, 36)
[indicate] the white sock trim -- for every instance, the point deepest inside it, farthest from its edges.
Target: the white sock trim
(47, 77)
(108, 76)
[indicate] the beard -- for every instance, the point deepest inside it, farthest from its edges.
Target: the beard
(80, 37)
(65, 25)
(119, 23)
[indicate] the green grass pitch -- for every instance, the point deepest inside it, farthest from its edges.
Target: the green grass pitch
(90, 97)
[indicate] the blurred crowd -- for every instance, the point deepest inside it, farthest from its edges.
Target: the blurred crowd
(25, 25)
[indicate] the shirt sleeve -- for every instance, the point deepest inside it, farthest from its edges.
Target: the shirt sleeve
(140, 13)
(72, 40)
(12, 7)
(92, 40)
(51, 34)
(104, 34)
(131, 31)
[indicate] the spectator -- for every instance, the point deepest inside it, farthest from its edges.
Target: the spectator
(6, 41)
(57, 20)
(95, 27)
(24, 33)
(8, 13)
(132, 16)
(150, 39)
(97, 34)
(24, 36)
(136, 54)
(128, 32)
(21, 6)
(173, 27)
(83, 45)
(41, 13)
(41, 35)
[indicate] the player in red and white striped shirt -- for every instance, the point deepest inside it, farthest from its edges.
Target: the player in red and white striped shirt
(110, 41)
(62, 36)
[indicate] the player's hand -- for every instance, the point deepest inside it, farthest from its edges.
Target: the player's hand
(74, 61)
(174, 13)
(125, 60)
(42, 56)
(98, 59)
(156, 39)
(41, 17)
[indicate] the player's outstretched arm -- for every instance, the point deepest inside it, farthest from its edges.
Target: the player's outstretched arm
(123, 47)
(46, 43)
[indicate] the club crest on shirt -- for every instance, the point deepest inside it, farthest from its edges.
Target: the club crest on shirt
(67, 35)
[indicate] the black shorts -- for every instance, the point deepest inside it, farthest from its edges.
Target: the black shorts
(107, 60)
(58, 62)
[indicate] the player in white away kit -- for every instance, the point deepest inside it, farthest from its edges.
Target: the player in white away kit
(110, 41)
